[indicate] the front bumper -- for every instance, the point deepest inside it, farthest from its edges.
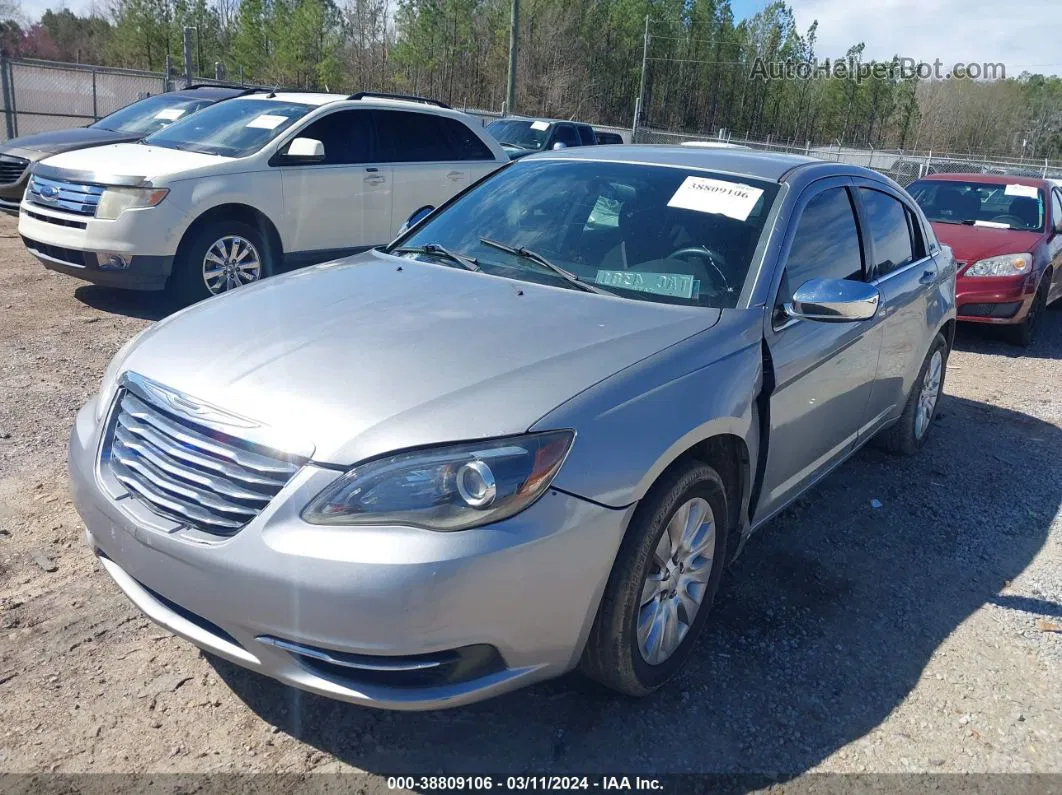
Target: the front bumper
(68, 243)
(527, 587)
(997, 300)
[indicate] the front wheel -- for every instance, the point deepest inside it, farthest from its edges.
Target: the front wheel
(1024, 333)
(662, 584)
(910, 432)
(219, 258)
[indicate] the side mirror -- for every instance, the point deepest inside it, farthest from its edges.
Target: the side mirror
(306, 149)
(834, 301)
(560, 145)
(416, 217)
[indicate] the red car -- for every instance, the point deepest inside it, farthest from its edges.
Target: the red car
(1006, 234)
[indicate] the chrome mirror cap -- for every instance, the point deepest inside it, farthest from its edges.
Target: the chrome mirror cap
(834, 301)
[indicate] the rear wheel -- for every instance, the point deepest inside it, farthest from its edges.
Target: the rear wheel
(220, 257)
(910, 432)
(662, 584)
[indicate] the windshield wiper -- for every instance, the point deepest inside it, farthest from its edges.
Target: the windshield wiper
(538, 259)
(468, 263)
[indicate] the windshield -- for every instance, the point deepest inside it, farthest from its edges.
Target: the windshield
(151, 114)
(644, 232)
(1005, 206)
(236, 128)
(524, 134)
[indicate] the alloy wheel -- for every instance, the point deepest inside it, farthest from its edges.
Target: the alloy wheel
(231, 262)
(927, 398)
(677, 580)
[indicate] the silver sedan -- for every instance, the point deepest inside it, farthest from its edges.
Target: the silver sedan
(525, 437)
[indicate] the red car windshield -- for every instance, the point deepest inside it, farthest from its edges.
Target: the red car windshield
(1004, 206)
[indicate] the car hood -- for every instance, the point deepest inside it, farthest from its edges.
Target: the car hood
(973, 243)
(35, 147)
(377, 353)
(128, 160)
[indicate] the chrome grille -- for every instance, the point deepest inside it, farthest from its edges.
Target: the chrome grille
(11, 169)
(61, 195)
(190, 473)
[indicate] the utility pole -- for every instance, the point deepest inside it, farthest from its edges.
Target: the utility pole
(514, 36)
(640, 100)
(188, 55)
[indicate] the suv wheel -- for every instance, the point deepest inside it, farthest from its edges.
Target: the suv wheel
(910, 432)
(662, 584)
(221, 257)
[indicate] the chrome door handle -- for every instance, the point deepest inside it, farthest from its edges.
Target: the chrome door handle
(927, 277)
(456, 175)
(375, 179)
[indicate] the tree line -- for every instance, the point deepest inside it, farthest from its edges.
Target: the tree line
(577, 58)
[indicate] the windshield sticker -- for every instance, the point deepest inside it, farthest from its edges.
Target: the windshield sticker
(992, 224)
(732, 199)
(170, 114)
(267, 121)
(1027, 191)
(676, 285)
(540, 125)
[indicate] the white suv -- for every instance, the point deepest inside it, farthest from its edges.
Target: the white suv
(240, 189)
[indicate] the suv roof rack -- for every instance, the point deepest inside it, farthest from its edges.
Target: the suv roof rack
(405, 97)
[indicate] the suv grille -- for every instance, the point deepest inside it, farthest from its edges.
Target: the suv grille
(11, 169)
(189, 473)
(61, 195)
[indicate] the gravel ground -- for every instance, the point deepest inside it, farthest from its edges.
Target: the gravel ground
(922, 635)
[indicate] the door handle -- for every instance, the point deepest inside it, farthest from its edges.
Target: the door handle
(927, 277)
(375, 179)
(456, 175)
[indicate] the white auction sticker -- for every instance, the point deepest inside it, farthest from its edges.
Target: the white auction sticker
(732, 199)
(170, 114)
(1027, 191)
(267, 121)
(540, 125)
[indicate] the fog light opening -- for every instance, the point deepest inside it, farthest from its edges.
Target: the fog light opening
(113, 262)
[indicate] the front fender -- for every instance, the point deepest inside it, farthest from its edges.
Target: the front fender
(633, 425)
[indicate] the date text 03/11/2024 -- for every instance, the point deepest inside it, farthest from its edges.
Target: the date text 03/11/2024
(525, 783)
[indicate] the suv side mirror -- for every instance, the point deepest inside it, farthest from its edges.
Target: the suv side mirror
(834, 301)
(416, 217)
(560, 145)
(306, 149)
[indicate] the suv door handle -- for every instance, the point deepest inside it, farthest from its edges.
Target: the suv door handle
(375, 179)
(456, 175)
(928, 277)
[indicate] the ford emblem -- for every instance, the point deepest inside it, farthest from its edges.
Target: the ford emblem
(50, 192)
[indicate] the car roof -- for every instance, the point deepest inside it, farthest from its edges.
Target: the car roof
(989, 179)
(544, 118)
(772, 166)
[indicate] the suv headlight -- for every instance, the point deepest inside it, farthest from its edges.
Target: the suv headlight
(116, 201)
(1003, 265)
(445, 488)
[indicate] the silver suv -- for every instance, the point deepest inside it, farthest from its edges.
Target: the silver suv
(527, 435)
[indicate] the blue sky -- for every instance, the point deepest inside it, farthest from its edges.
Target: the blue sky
(1023, 37)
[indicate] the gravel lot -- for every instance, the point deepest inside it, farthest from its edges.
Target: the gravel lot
(923, 635)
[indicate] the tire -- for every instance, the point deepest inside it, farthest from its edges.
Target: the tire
(190, 274)
(614, 653)
(1024, 333)
(910, 432)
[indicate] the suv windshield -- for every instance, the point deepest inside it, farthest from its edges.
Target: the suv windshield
(644, 232)
(525, 134)
(236, 128)
(151, 114)
(1006, 206)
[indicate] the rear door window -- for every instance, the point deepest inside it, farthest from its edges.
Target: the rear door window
(411, 137)
(888, 224)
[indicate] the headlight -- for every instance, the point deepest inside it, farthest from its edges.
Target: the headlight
(1003, 265)
(445, 488)
(115, 201)
(110, 376)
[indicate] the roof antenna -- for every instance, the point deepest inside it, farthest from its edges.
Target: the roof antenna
(272, 94)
